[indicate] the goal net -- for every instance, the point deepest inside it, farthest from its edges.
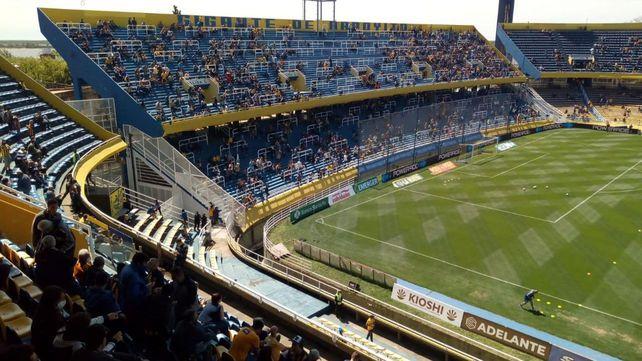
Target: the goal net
(469, 152)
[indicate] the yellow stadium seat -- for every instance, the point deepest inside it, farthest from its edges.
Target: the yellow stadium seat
(21, 326)
(10, 311)
(4, 298)
(20, 282)
(34, 292)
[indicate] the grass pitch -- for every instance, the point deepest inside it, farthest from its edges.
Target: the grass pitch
(561, 212)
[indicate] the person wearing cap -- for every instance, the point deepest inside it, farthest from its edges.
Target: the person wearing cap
(65, 241)
(295, 352)
(247, 340)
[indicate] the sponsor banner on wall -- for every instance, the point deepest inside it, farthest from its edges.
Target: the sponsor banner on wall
(427, 304)
(521, 133)
(403, 170)
(442, 168)
(502, 147)
(116, 200)
(550, 127)
(340, 195)
(308, 210)
(366, 184)
(624, 130)
(446, 155)
(504, 335)
(560, 354)
(400, 183)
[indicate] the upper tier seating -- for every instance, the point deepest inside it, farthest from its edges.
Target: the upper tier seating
(614, 51)
(258, 67)
(42, 143)
(260, 158)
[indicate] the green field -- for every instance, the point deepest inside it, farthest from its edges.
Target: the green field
(483, 234)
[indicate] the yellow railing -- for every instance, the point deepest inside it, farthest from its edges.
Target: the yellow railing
(192, 123)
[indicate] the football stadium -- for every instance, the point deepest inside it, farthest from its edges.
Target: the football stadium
(321, 180)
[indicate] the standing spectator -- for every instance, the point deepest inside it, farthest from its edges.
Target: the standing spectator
(370, 326)
(203, 221)
(157, 208)
(158, 322)
(53, 267)
(247, 340)
(197, 221)
(184, 217)
(5, 153)
(182, 249)
(133, 290)
(184, 293)
(65, 240)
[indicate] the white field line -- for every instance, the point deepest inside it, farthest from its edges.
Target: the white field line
(389, 193)
(598, 191)
(422, 181)
(518, 166)
(478, 205)
(321, 221)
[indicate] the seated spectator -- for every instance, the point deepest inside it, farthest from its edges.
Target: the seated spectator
(81, 266)
(155, 278)
(191, 340)
(271, 347)
(213, 315)
(47, 320)
(18, 353)
(70, 340)
(96, 344)
(94, 270)
(247, 340)
(99, 300)
(24, 182)
(295, 352)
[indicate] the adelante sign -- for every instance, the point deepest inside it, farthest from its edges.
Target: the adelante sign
(509, 337)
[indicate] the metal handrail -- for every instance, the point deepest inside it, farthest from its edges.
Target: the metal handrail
(322, 280)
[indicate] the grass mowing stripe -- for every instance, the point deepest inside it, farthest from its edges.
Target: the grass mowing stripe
(598, 191)
(321, 221)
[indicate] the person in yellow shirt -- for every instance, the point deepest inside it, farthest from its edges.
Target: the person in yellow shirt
(246, 340)
(370, 325)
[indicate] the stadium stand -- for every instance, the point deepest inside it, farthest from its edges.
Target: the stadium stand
(39, 144)
(257, 159)
(178, 71)
(579, 50)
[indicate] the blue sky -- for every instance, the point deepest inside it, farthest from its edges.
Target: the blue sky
(18, 20)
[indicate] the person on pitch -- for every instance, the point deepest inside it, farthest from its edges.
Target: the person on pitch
(528, 298)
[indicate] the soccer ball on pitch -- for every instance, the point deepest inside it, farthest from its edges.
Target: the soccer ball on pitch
(566, 194)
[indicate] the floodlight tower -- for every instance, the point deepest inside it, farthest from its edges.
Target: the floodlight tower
(319, 4)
